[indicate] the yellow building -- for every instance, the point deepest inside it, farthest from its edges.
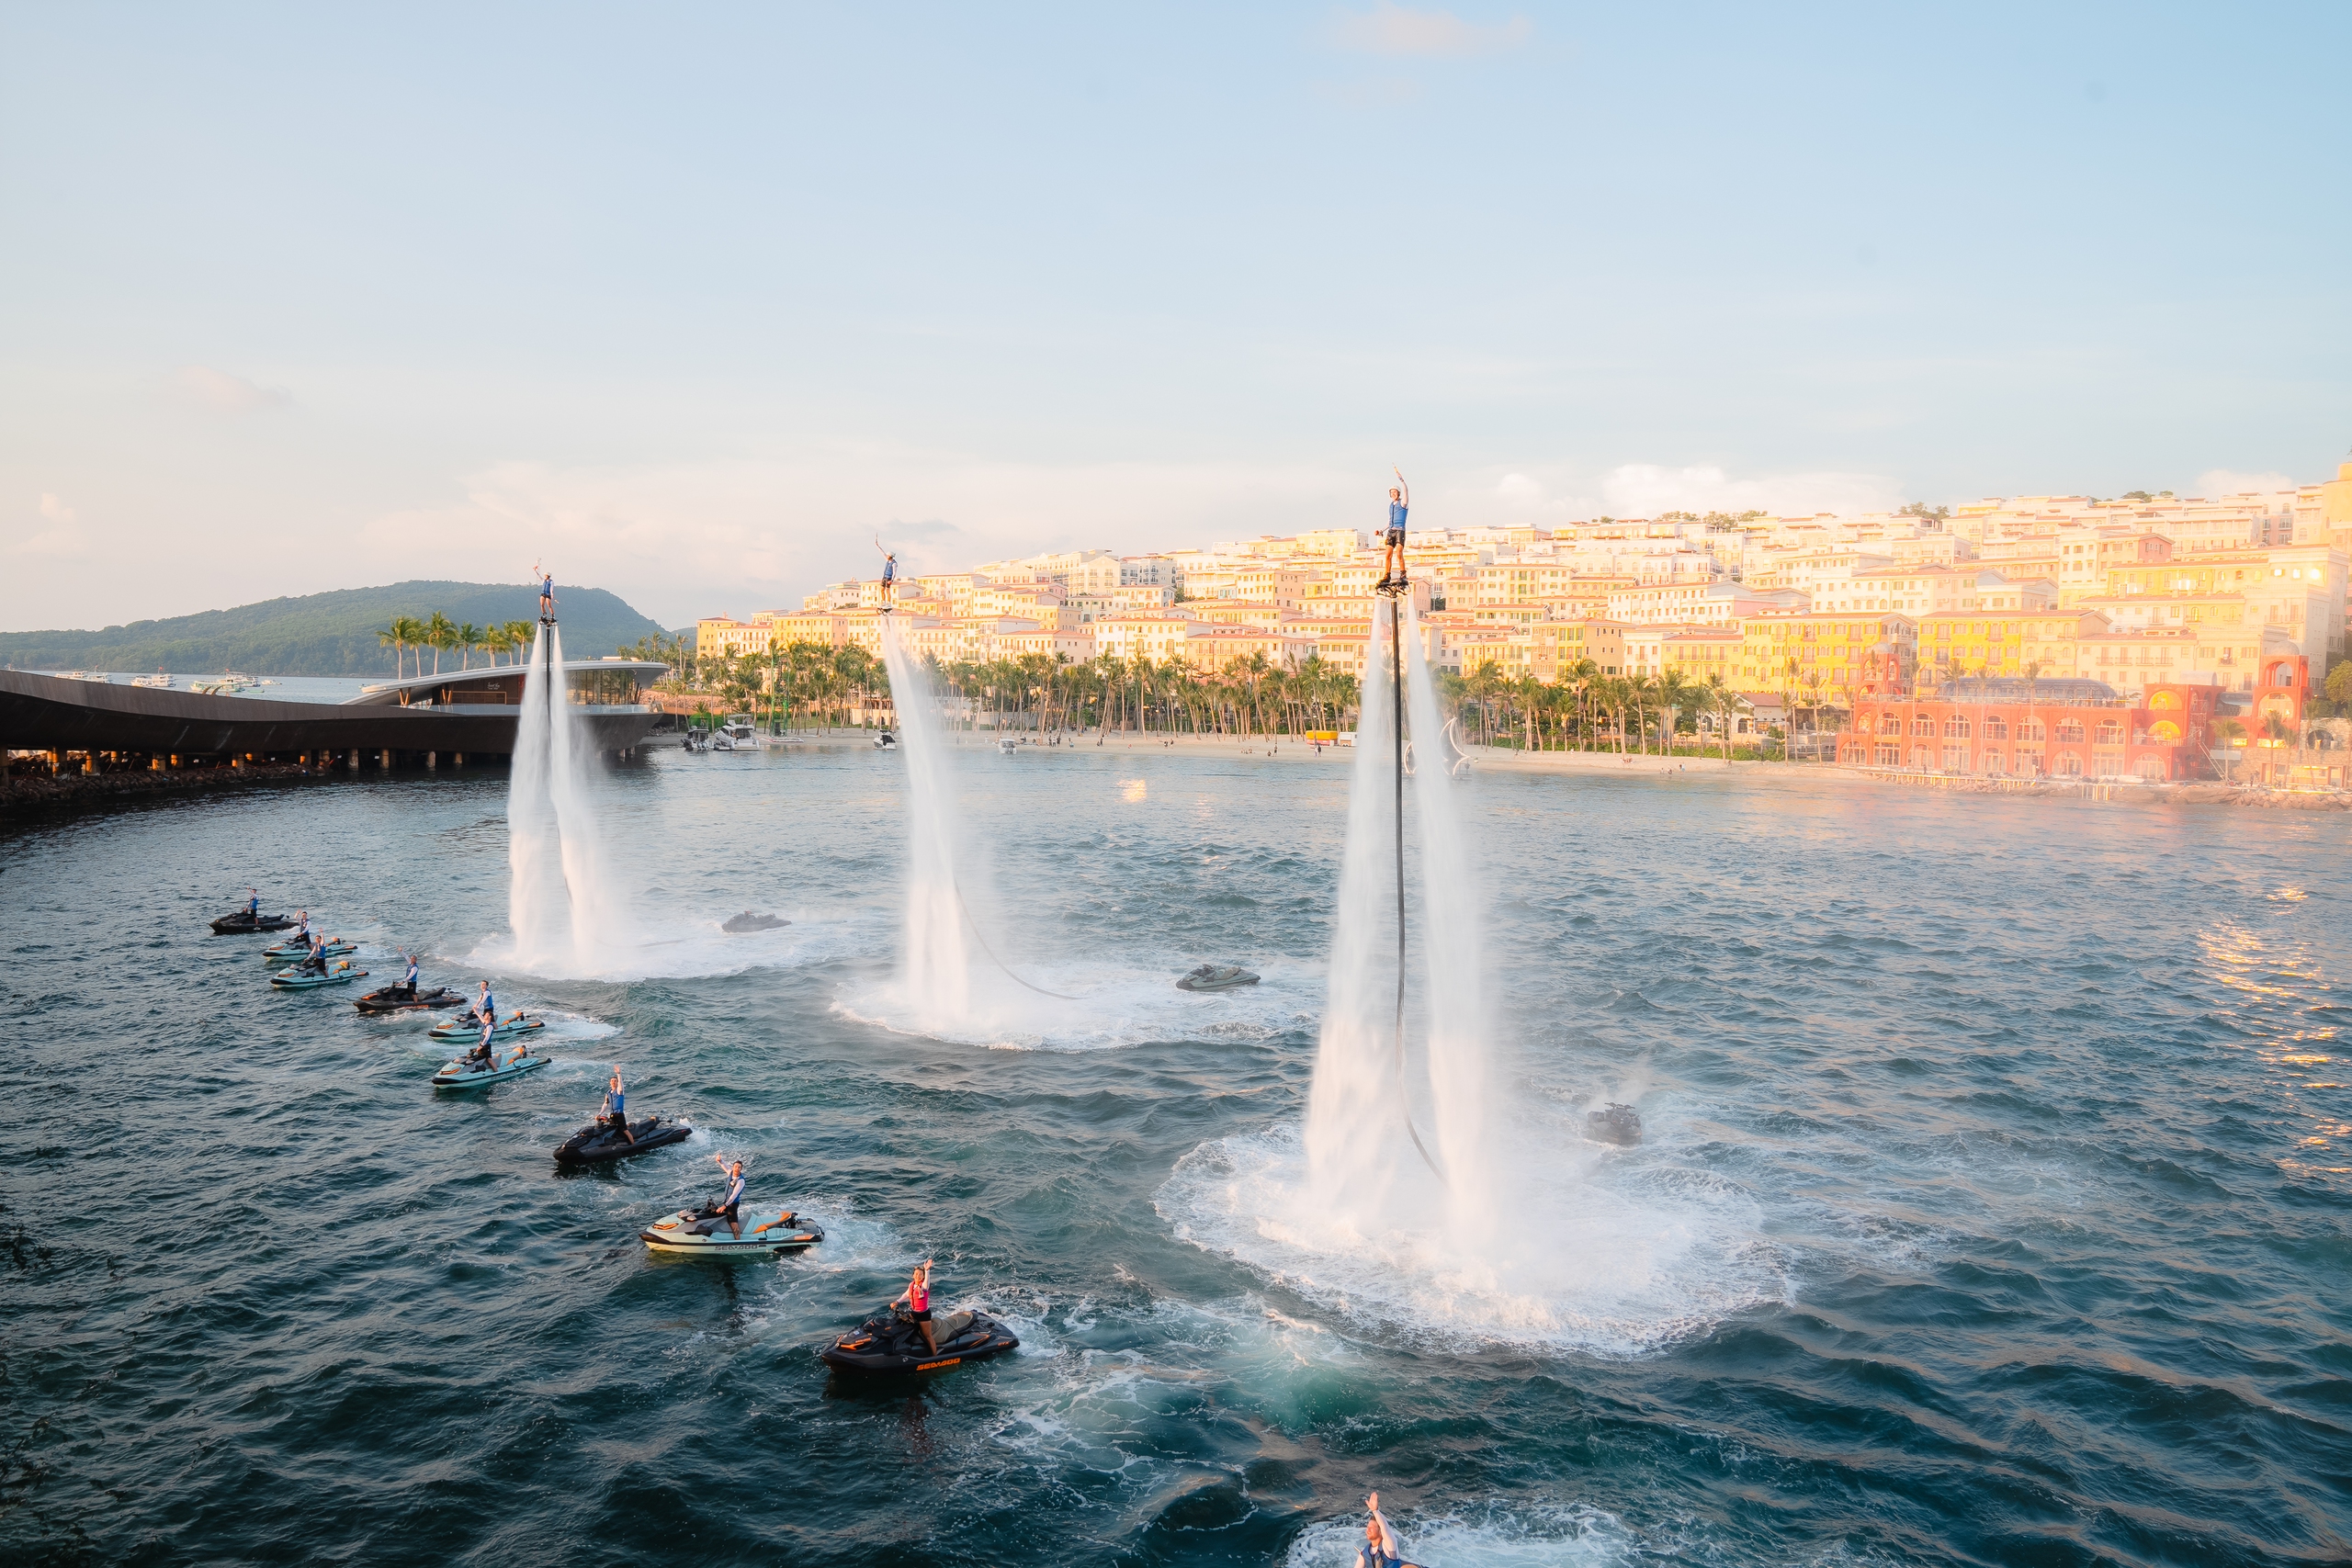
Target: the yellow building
(1977, 642)
(1797, 650)
(723, 636)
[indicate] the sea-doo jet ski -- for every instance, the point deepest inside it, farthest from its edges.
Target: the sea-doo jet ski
(702, 1234)
(468, 1026)
(891, 1342)
(737, 925)
(599, 1142)
(1619, 1124)
(295, 951)
(463, 1074)
(245, 922)
(394, 999)
(1215, 977)
(300, 979)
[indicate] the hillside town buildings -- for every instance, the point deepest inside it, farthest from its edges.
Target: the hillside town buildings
(2176, 605)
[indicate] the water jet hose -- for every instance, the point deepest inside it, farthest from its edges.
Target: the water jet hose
(1397, 664)
(992, 952)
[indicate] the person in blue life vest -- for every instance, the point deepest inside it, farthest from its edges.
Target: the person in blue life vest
(1392, 565)
(729, 1205)
(547, 590)
(614, 1114)
(890, 576)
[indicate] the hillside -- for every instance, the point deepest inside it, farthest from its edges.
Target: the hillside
(323, 634)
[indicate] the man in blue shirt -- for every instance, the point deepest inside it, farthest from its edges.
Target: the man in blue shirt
(1392, 566)
(408, 981)
(616, 1113)
(546, 591)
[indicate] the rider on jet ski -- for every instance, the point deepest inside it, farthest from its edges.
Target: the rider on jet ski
(253, 904)
(917, 1295)
(407, 987)
(317, 957)
(480, 1058)
(1379, 1549)
(486, 1008)
(727, 1205)
(614, 1114)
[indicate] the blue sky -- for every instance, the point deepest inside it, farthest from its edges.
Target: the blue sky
(694, 301)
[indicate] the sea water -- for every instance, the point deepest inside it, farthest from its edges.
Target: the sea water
(1993, 1209)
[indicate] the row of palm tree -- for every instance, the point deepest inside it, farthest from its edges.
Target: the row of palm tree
(442, 634)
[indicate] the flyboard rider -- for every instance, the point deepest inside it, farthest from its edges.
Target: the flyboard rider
(1392, 565)
(890, 575)
(547, 594)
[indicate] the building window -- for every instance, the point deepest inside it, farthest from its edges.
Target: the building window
(1995, 728)
(1889, 756)
(2029, 729)
(2070, 729)
(1956, 727)
(1923, 725)
(1955, 759)
(2111, 732)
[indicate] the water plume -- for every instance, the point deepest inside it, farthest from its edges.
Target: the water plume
(937, 970)
(560, 904)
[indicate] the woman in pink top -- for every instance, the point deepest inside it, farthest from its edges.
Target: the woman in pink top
(917, 1295)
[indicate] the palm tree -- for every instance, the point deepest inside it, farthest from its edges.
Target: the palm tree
(1674, 693)
(1725, 705)
(467, 638)
(395, 636)
(439, 632)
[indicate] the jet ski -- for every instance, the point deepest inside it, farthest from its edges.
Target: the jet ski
(701, 1233)
(1215, 977)
(392, 999)
(463, 1074)
(747, 921)
(341, 974)
(891, 1343)
(886, 741)
(294, 952)
(1619, 1124)
(245, 922)
(467, 1026)
(597, 1143)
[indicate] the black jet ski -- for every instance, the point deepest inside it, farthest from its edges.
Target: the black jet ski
(747, 921)
(1215, 977)
(886, 741)
(598, 1141)
(891, 1343)
(245, 922)
(1619, 1124)
(395, 998)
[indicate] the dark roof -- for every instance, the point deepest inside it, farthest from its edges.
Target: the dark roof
(2017, 689)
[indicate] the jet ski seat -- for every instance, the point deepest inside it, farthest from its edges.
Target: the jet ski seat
(948, 1327)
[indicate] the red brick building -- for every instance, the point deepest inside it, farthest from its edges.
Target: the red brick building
(2053, 729)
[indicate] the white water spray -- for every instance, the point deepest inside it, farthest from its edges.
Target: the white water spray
(559, 899)
(1370, 1161)
(937, 975)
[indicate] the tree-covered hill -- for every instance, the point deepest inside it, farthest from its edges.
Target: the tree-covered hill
(324, 634)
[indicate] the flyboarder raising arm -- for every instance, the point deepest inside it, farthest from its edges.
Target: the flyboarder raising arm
(1392, 564)
(889, 574)
(547, 590)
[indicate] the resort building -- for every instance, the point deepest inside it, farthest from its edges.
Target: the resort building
(2064, 728)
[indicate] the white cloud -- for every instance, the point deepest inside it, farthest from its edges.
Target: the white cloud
(217, 391)
(1393, 29)
(1645, 490)
(678, 541)
(63, 535)
(2229, 482)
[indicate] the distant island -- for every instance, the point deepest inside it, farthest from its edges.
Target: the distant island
(326, 634)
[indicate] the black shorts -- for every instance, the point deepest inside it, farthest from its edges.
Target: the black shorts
(1396, 535)
(727, 1213)
(923, 1316)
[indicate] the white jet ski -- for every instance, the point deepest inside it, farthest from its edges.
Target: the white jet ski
(700, 1232)
(341, 974)
(295, 951)
(466, 1026)
(469, 1075)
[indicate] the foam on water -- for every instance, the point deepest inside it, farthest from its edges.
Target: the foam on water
(1602, 1255)
(1114, 1008)
(1500, 1535)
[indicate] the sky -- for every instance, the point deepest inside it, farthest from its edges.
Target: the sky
(696, 303)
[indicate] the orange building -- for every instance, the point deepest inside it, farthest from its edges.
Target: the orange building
(2057, 728)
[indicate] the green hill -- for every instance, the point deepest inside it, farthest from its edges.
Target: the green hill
(324, 634)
